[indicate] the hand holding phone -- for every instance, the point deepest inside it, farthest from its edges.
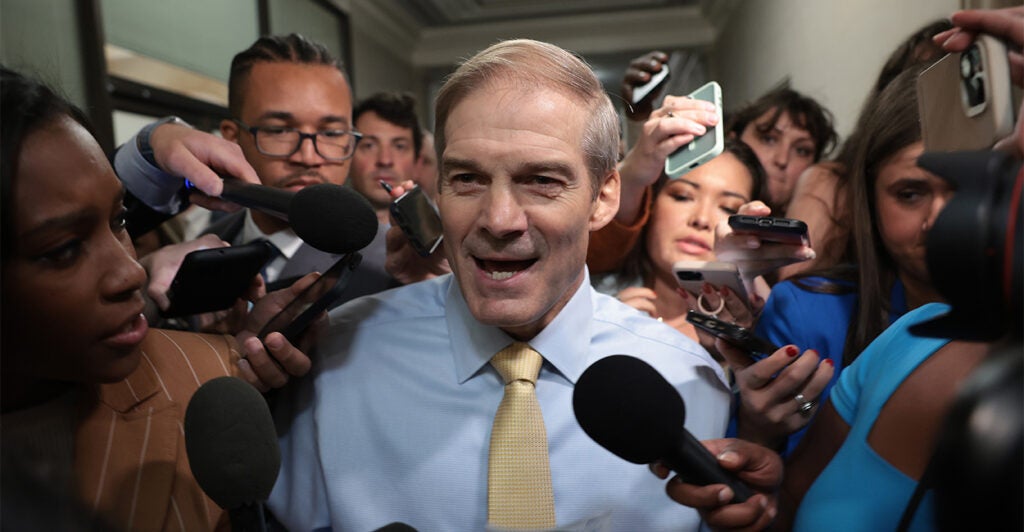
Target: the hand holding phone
(419, 220)
(965, 99)
(770, 229)
(754, 346)
(213, 279)
(705, 147)
(295, 318)
(692, 274)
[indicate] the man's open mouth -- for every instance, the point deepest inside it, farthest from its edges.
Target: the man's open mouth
(499, 270)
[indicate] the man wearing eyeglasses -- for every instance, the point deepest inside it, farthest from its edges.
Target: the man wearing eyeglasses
(291, 109)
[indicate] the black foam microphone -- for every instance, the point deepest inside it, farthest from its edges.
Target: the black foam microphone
(232, 449)
(630, 409)
(329, 217)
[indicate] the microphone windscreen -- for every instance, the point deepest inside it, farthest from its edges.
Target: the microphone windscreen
(231, 442)
(332, 218)
(627, 407)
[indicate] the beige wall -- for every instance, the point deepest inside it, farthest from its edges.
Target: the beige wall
(831, 50)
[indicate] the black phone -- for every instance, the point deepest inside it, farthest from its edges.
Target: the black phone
(213, 279)
(770, 229)
(419, 220)
(295, 318)
(740, 337)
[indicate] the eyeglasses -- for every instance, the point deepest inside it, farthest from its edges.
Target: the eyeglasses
(276, 141)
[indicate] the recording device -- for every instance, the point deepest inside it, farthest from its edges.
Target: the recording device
(974, 249)
(232, 449)
(627, 407)
(295, 318)
(965, 98)
(658, 79)
(739, 337)
(331, 218)
(770, 229)
(419, 220)
(979, 458)
(692, 274)
(213, 279)
(705, 147)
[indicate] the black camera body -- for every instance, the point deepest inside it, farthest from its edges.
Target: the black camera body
(975, 252)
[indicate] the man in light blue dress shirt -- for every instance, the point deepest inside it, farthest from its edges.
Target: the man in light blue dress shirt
(393, 422)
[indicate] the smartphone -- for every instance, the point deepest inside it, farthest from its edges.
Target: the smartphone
(658, 79)
(213, 279)
(770, 229)
(692, 274)
(740, 337)
(965, 99)
(419, 220)
(705, 147)
(295, 318)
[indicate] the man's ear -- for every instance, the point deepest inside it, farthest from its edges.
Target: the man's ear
(229, 130)
(606, 205)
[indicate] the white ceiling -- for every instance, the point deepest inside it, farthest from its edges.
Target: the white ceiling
(439, 33)
(456, 12)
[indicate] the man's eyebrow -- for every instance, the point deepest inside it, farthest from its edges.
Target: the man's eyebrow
(531, 167)
(451, 163)
(284, 115)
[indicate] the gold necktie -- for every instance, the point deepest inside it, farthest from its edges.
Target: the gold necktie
(519, 493)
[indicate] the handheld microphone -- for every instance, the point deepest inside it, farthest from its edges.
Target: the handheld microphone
(329, 217)
(627, 407)
(232, 449)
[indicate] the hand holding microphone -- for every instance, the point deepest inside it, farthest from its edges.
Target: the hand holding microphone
(627, 407)
(329, 217)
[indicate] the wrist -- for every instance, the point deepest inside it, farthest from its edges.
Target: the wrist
(143, 142)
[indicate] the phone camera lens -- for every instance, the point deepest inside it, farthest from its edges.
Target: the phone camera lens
(690, 276)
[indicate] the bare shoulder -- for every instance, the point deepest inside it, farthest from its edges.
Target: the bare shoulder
(821, 179)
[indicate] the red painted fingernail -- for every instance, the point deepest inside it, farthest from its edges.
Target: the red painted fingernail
(707, 289)
(829, 362)
(684, 293)
(815, 351)
(792, 351)
(725, 291)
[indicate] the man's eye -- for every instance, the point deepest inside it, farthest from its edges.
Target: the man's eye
(275, 130)
(334, 133)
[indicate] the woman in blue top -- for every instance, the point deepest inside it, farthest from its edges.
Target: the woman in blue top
(871, 445)
(838, 311)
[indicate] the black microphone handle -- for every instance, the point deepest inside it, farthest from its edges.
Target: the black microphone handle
(696, 465)
(248, 518)
(262, 198)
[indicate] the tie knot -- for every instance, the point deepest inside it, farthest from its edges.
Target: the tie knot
(518, 361)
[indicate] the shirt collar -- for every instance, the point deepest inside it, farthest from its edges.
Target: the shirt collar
(286, 240)
(564, 343)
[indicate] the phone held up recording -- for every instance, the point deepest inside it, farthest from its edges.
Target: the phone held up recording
(418, 218)
(770, 229)
(705, 147)
(754, 346)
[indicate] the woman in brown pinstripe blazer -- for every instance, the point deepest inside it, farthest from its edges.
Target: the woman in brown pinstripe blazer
(92, 399)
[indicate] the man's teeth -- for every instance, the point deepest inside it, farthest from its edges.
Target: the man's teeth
(500, 276)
